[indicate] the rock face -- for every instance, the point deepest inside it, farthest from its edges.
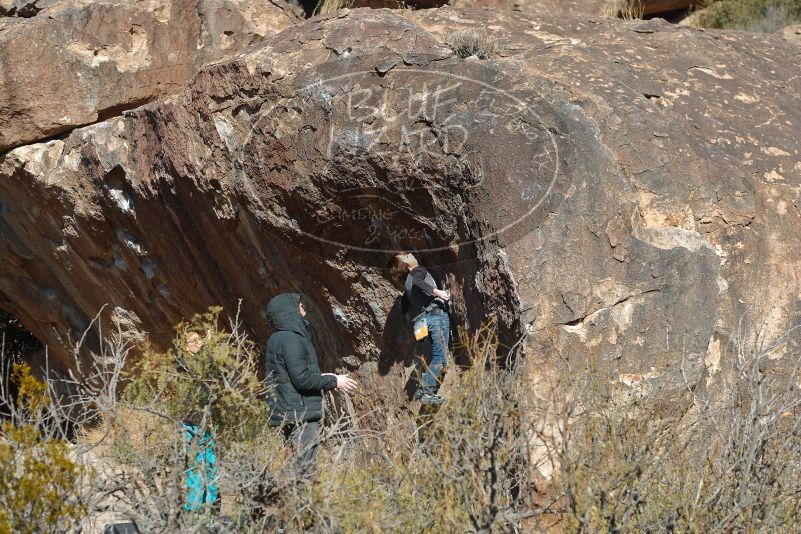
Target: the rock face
(791, 34)
(602, 206)
(398, 4)
(575, 7)
(75, 63)
(23, 8)
(556, 7)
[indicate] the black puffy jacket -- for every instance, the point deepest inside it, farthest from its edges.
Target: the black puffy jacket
(291, 366)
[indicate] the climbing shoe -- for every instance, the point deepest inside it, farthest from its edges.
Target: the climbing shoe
(430, 398)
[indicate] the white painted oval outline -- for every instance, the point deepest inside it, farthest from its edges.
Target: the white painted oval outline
(459, 244)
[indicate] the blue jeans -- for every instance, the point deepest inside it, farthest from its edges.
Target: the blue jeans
(439, 332)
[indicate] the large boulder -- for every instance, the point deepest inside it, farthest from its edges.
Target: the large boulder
(601, 206)
(77, 62)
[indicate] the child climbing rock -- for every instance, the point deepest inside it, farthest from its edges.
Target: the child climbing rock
(428, 307)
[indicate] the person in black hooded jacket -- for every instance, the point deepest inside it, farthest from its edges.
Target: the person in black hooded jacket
(296, 402)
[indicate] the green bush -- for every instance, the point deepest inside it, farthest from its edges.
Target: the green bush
(208, 379)
(217, 387)
(39, 476)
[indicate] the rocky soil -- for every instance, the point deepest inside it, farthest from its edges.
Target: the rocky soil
(608, 193)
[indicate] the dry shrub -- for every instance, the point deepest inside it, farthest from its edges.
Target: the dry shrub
(216, 389)
(324, 7)
(624, 9)
(469, 43)
(728, 461)
(750, 15)
(38, 473)
(465, 470)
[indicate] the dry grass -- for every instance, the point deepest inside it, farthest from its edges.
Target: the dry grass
(496, 457)
(324, 7)
(624, 9)
(472, 43)
(138, 429)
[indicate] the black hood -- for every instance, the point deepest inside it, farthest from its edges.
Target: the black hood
(282, 310)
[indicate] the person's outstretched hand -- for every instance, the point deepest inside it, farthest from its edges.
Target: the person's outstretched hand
(444, 295)
(344, 382)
